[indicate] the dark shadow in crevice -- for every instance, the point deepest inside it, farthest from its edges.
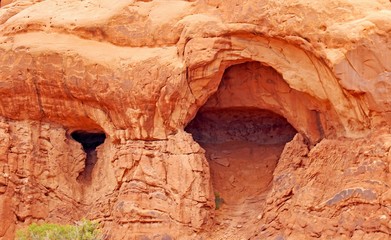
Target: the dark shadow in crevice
(243, 124)
(90, 141)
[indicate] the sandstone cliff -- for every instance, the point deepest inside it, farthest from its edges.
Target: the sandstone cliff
(98, 98)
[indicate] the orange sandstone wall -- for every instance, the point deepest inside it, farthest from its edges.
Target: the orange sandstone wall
(140, 70)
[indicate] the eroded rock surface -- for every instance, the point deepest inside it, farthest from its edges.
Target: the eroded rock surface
(344, 195)
(140, 71)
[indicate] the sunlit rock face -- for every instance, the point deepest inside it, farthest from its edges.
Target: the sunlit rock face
(153, 80)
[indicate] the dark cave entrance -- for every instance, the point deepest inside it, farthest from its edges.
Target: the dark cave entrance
(242, 137)
(90, 141)
(242, 146)
(251, 125)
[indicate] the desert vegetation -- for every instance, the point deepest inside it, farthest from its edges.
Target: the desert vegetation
(82, 230)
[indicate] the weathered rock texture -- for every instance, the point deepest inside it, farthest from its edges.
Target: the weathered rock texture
(139, 71)
(345, 193)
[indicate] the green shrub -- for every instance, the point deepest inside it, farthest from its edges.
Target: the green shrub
(83, 230)
(218, 200)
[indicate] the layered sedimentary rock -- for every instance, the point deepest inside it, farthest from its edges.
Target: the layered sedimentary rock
(138, 72)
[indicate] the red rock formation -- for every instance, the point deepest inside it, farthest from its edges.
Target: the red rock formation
(141, 71)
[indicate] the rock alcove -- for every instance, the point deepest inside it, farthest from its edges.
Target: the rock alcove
(242, 146)
(90, 141)
(243, 132)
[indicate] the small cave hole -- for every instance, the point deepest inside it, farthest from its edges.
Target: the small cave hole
(90, 141)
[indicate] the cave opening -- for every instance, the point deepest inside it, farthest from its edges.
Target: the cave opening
(90, 141)
(242, 147)
(243, 134)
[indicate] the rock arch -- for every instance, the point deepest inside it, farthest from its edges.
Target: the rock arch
(318, 106)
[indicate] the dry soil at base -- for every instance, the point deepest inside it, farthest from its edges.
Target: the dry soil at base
(241, 174)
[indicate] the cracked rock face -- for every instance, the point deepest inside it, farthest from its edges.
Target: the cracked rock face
(138, 72)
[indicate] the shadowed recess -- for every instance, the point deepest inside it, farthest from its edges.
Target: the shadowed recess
(242, 146)
(240, 124)
(90, 141)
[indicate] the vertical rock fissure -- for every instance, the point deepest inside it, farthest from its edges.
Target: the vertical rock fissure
(90, 141)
